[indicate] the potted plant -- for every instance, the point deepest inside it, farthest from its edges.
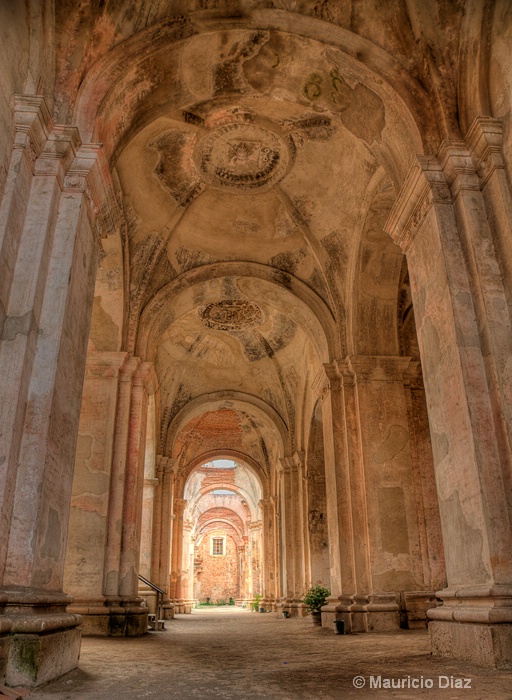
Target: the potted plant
(255, 605)
(314, 600)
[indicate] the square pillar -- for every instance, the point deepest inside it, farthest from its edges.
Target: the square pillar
(50, 219)
(465, 336)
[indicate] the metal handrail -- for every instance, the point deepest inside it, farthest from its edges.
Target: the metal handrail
(159, 596)
(150, 584)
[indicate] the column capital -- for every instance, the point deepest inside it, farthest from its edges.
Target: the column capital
(484, 140)
(145, 376)
(330, 376)
(379, 368)
(165, 465)
(458, 167)
(32, 123)
(103, 365)
(128, 369)
(179, 506)
(425, 186)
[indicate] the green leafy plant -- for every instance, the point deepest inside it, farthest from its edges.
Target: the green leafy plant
(256, 604)
(315, 598)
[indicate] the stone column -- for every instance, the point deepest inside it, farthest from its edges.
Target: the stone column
(416, 603)
(150, 514)
(144, 384)
(162, 531)
(255, 559)
(339, 504)
(464, 331)
(392, 524)
(292, 531)
(49, 244)
(88, 522)
(185, 599)
(268, 577)
(177, 552)
(112, 606)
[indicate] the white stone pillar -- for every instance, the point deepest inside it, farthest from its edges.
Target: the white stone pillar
(49, 246)
(465, 337)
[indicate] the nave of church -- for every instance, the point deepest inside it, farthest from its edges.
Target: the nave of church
(255, 322)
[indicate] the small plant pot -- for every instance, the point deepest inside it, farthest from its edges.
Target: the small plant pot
(339, 626)
(286, 614)
(262, 609)
(316, 616)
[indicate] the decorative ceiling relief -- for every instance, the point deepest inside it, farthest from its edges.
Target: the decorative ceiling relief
(243, 156)
(232, 315)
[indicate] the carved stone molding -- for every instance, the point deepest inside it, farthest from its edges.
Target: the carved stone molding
(379, 368)
(104, 365)
(32, 123)
(484, 140)
(458, 167)
(425, 186)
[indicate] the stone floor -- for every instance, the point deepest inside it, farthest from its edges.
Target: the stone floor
(231, 653)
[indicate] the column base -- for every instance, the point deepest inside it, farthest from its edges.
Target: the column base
(377, 612)
(168, 609)
(183, 606)
(294, 606)
(39, 641)
(484, 645)
(112, 617)
(413, 608)
(338, 608)
(383, 613)
(474, 624)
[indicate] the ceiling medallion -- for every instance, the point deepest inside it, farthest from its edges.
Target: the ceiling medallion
(232, 315)
(242, 156)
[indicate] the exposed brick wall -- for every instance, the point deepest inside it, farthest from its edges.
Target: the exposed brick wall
(221, 514)
(217, 576)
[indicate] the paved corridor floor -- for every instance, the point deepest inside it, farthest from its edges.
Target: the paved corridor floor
(230, 653)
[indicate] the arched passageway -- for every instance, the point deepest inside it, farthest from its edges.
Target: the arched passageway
(276, 233)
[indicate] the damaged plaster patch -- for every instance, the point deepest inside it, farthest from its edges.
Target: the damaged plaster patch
(51, 545)
(467, 542)
(104, 332)
(396, 439)
(18, 325)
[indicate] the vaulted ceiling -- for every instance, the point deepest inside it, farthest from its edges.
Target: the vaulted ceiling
(256, 157)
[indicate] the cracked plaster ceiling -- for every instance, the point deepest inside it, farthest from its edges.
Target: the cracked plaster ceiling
(263, 156)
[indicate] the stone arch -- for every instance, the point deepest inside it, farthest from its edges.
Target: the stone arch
(374, 276)
(244, 459)
(324, 338)
(224, 399)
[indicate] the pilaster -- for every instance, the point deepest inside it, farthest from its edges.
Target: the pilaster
(339, 497)
(464, 334)
(48, 253)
